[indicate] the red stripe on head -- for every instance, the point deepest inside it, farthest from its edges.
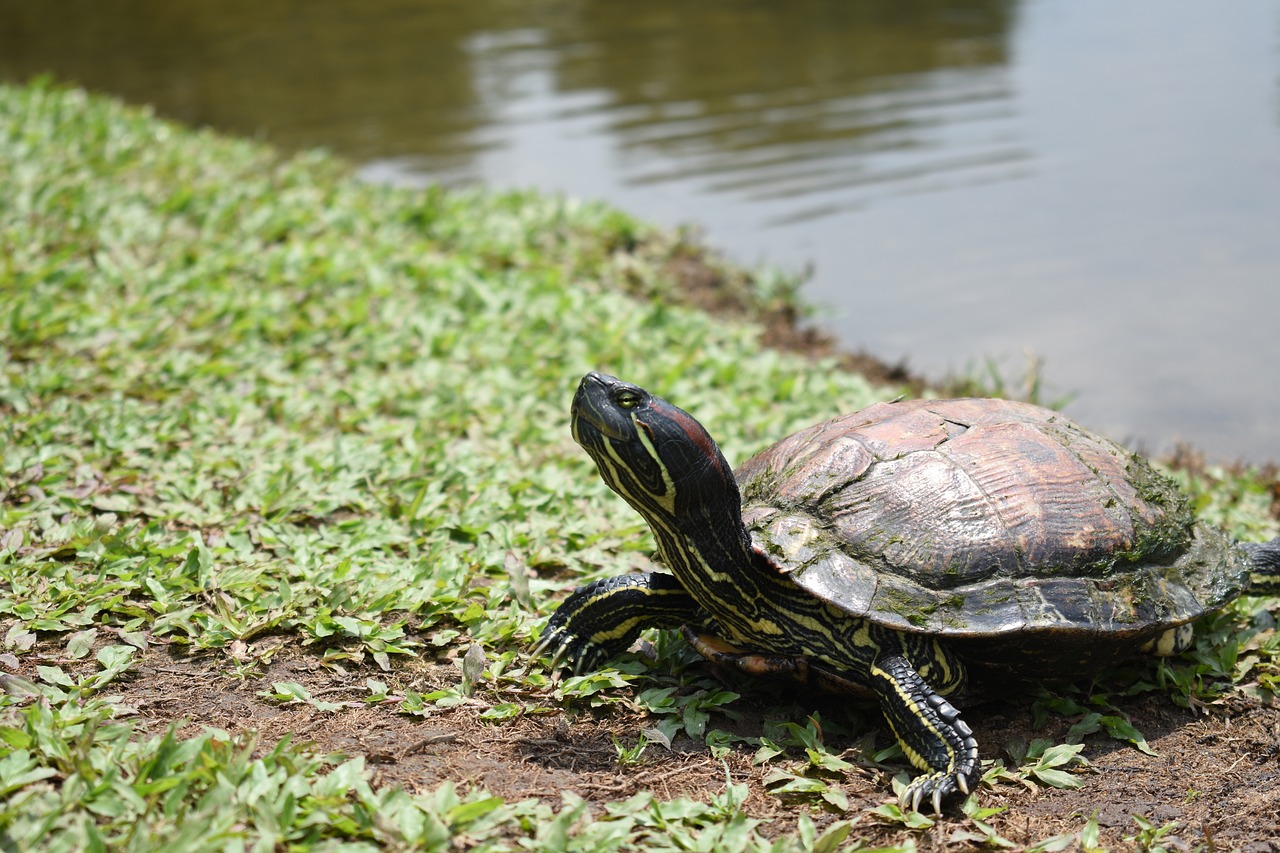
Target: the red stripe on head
(697, 433)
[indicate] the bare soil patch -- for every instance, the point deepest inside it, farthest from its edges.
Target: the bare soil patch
(1217, 773)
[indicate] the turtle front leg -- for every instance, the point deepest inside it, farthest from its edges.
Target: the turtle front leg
(930, 730)
(600, 620)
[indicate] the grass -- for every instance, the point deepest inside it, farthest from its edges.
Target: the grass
(244, 397)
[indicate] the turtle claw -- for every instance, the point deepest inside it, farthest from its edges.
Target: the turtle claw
(568, 652)
(557, 656)
(933, 789)
(547, 644)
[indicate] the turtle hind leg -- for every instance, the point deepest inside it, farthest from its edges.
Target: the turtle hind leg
(1173, 641)
(1265, 577)
(930, 730)
(600, 620)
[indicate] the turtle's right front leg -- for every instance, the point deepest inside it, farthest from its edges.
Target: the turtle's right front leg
(600, 620)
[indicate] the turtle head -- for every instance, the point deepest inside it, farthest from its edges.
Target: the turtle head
(653, 454)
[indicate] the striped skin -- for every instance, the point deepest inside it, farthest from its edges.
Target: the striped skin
(668, 468)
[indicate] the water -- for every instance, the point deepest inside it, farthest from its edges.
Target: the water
(1098, 184)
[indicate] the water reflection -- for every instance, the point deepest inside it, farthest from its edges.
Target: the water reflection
(367, 80)
(740, 97)
(1098, 183)
(810, 104)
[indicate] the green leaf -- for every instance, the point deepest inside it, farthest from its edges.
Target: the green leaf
(1055, 844)
(80, 643)
(1060, 754)
(1090, 836)
(837, 798)
(1055, 778)
(19, 769)
(291, 691)
(1090, 723)
(502, 711)
(54, 675)
(464, 814)
(116, 658)
(19, 638)
(1122, 729)
(832, 837)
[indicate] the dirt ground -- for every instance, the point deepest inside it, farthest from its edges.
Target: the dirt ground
(1217, 774)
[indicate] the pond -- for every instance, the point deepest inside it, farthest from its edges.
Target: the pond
(969, 182)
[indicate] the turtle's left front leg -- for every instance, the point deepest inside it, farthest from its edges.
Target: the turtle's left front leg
(600, 620)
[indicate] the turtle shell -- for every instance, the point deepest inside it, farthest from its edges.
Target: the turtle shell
(992, 522)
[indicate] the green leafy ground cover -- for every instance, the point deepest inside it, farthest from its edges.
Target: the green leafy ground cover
(265, 425)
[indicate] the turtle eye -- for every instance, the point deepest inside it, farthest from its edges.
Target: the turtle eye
(627, 399)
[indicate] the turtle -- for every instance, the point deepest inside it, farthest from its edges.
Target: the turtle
(890, 552)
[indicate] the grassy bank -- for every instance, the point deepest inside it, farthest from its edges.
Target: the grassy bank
(253, 411)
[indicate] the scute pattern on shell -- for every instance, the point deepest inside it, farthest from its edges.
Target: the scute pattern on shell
(981, 518)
